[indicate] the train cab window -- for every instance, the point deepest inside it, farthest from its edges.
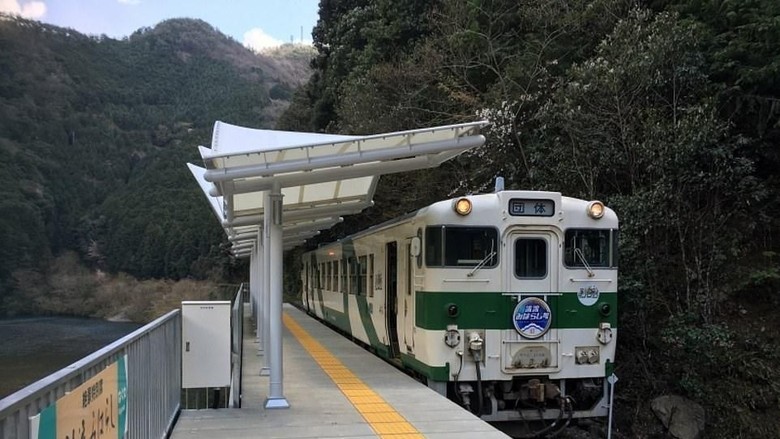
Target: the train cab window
(590, 248)
(461, 247)
(434, 246)
(419, 256)
(531, 258)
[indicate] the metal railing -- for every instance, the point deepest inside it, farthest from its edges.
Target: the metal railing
(153, 382)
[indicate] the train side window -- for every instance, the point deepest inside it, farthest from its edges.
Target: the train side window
(334, 275)
(371, 275)
(362, 271)
(334, 285)
(531, 258)
(329, 276)
(588, 248)
(353, 286)
(344, 276)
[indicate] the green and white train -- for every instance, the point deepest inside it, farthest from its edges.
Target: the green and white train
(505, 302)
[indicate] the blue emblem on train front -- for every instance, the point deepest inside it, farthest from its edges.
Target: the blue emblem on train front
(532, 317)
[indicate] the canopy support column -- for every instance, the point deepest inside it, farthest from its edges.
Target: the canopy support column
(265, 237)
(258, 272)
(273, 214)
(253, 288)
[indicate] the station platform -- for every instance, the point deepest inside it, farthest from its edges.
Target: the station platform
(335, 389)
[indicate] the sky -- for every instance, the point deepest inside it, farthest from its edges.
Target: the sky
(258, 24)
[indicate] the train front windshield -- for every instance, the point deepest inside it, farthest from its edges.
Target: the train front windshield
(591, 248)
(447, 246)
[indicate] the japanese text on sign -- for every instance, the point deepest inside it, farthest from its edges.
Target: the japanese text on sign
(530, 207)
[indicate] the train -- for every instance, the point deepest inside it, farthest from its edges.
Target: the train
(505, 302)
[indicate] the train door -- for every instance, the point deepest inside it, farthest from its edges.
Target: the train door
(312, 284)
(391, 297)
(407, 275)
(305, 286)
(532, 274)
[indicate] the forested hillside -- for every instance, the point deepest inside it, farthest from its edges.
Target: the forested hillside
(94, 137)
(667, 110)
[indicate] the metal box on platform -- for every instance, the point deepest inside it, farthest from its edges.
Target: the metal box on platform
(205, 339)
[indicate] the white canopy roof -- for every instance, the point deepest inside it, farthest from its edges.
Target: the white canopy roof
(294, 231)
(321, 176)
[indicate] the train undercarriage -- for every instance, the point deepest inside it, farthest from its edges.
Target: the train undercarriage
(537, 406)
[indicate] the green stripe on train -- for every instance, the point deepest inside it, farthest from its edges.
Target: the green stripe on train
(494, 310)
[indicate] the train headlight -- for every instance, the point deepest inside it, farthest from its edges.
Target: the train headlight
(462, 206)
(595, 209)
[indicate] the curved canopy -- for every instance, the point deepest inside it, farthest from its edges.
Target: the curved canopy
(321, 176)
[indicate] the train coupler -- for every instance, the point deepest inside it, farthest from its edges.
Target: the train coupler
(540, 392)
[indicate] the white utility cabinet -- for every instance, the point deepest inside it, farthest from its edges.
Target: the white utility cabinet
(205, 344)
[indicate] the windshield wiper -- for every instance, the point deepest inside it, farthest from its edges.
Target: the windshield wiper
(485, 260)
(578, 254)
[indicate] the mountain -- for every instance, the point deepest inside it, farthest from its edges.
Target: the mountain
(94, 137)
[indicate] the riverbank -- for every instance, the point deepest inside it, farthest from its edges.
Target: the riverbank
(70, 288)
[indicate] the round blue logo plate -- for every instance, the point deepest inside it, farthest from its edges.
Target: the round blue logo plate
(532, 317)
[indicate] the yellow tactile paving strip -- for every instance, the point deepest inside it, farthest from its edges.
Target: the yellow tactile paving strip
(381, 416)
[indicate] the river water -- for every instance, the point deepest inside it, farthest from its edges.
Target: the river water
(32, 348)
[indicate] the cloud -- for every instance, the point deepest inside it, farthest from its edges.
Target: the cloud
(129, 2)
(34, 9)
(257, 40)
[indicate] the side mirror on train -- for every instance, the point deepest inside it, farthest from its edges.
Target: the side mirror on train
(415, 247)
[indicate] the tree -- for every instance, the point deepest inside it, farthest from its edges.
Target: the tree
(351, 37)
(498, 60)
(636, 125)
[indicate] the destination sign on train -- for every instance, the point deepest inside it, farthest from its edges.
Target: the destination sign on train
(531, 207)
